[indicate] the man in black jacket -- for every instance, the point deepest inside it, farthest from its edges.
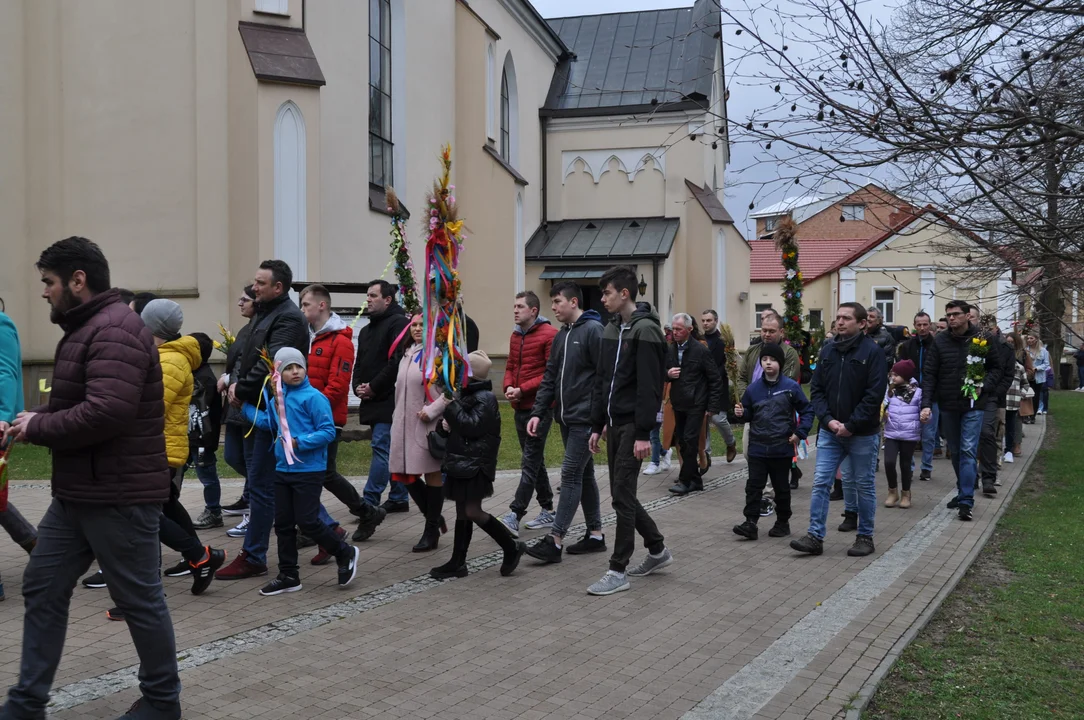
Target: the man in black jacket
(374, 383)
(877, 332)
(916, 349)
(695, 392)
(278, 323)
(847, 390)
(709, 323)
(961, 416)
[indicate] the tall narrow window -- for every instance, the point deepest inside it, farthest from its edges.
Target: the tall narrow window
(491, 72)
(885, 300)
(506, 120)
(291, 195)
(380, 136)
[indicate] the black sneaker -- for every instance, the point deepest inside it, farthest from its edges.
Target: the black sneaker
(780, 529)
(589, 544)
(965, 513)
(95, 581)
(281, 584)
(348, 565)
(396, 507)
(208, 519)
(795, 476)
(924, 475)
(449, 570)
(989, 489)
(204, 572)
(863, 545)
(115, 614)
(680, 489)
(238, 508)
(808, 545)
(747, 530)
(145, 709)
(767, 507)
(511, 558)
(369, 518)
(953, 503)
(545, 550)
(179, 570)
(850, 522)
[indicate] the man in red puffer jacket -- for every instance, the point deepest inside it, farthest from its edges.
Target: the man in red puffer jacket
(528, 353)
(331, 363)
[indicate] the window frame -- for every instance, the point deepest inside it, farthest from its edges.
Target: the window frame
(758, 313)
(505, 130)
(890, 302)
(858, 211)
(820, 318)
(382, 137)
(770, 223)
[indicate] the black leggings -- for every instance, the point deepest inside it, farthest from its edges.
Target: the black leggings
(905, 449)
(176, 530)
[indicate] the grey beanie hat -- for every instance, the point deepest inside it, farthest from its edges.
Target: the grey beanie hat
(288, 356)
(163, 318)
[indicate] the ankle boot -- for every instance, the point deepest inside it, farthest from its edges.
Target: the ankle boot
(905, 499)
(433, 504)
(837, 490)
(893, 498)
(513, 549)
(457, 566)
(850, 522)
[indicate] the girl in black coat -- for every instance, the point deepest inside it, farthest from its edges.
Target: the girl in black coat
(473, 422)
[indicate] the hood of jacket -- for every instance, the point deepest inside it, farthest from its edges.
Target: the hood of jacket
(334, 324)
(540, 320)
(587, 315)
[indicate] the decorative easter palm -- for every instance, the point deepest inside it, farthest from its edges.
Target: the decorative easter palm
(274, 402)
(787, 244)
(444, 353)
(400, 253)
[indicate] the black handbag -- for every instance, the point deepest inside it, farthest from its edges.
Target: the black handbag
(437, 442)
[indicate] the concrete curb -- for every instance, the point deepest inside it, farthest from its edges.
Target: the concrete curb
(865, 694)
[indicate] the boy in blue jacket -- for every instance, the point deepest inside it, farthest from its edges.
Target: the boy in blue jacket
(769, 406)
(298, 486)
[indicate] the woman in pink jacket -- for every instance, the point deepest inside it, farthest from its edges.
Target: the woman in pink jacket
(903, 430)
(409, 458)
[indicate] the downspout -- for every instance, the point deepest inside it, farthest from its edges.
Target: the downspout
(655, 281)
(545, 205)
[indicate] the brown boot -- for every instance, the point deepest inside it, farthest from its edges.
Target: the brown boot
(731, 453)
(893, 498)
(905, 499)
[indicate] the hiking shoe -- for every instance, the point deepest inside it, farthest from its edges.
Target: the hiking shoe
(511, 521)
(545, 550)
(780, 529)
(449, 570)
(589, 544)
(239, 530)
(989, 489)
(208, 519)
(242, 568)
(393, 506)
(747, 530)
(651, 563)
(863, 545)
(179, 570)
(609, 584)
(965, 513)
(95, 581)
(836, 494)
(281, 584)
(924, 475)
(144, 709)
(652, 469)
(511, 559)
(808, 544)
(370, 517)
(238, 508)
(347, 561)
(850, 522)
(203, 572)
(324, 557)
(543, 521)
(953, 503)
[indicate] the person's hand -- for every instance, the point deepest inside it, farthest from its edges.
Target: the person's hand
(641, 449)
(592, 443)
(739, 410)
(222, 387)
(424, 416)
(673, 373)
(513, 393)
(444, 424)
(843, 431)
(233, 396)
(357, 390)
(365, 391)
(17, 429)
(532, 426)
(925, 415)
(793, 439)
(834, 427)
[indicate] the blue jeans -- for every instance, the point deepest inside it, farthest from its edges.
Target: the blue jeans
(578, 484)
(233, 452)
(929, 438)
(656, 444)
(379, 475)
(207, 472)
(260, 462)
(858, 456)
(962, 431)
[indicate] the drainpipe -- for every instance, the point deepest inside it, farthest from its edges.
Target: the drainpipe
(545, 205)
(655, 281)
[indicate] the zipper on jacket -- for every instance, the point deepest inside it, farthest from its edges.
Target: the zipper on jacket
(613, 379)
(561, 383)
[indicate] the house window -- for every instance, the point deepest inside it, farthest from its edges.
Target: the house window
(885, 301)
(491, 71)
(815, 320)
(854, 212)
(760, 312)
(274, 7)
(380, 144)
(770, 223)
(506, 120)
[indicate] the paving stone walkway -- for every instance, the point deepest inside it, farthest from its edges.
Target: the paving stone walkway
(733, 629)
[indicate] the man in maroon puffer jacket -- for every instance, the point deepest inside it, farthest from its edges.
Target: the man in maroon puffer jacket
(105, 424)
(528, 353)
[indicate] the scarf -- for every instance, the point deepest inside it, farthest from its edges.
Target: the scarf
(845, 344)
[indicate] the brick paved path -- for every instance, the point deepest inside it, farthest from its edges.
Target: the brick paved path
(732, 630)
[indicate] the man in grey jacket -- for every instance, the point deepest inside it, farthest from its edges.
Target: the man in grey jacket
(566, 392)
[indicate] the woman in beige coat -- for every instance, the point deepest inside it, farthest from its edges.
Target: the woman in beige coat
(409, 459)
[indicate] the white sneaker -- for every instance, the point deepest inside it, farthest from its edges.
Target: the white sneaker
(240, 529)
(1008, 457)
(664, 464)
(652, 469)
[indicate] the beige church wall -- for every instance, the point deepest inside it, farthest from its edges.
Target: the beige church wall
(18, 279)
(699, 246)
(614, 195)
(266, 12)
(737, 281)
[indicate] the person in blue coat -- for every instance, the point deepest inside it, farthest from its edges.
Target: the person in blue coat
(298, 483)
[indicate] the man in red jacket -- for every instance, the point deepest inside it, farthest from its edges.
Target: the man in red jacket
(331, 363)
(528, 353)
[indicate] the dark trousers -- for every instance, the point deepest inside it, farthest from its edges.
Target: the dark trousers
(905, 450)
(989, 451)
(297, 506)
(533, 478)
(176, 530)
(687, 435)
(761, 469)
(631, 516)
(335, 483)
(233, 451)
(1011, 418)
(124, 539)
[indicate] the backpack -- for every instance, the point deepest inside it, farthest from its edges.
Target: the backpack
(204, 410)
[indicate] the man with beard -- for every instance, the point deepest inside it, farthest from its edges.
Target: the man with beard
(877, 332)
(104, 424)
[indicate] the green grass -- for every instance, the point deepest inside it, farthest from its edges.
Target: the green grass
(29, 462)
(1009, 641)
